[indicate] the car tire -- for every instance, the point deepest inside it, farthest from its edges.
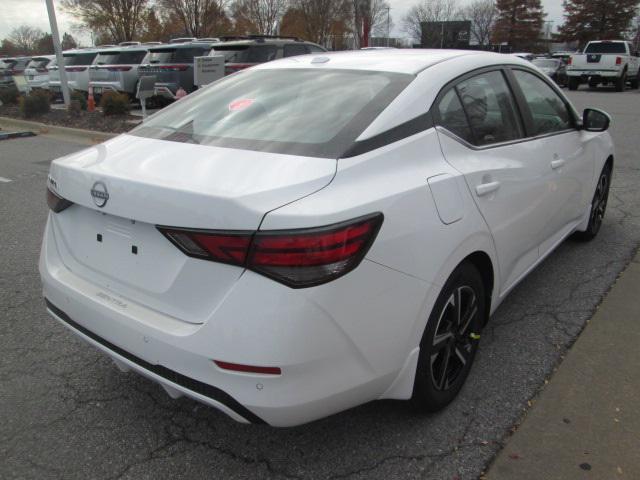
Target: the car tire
(621, 82)
(574, 82)
(598, 206)
(450, 339)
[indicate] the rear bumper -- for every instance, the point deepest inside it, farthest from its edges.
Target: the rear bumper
(101, 87)
(166, 90)
(586, 74)
(335, 350)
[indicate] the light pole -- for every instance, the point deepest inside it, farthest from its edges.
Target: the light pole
(56, 46)
(388, 25)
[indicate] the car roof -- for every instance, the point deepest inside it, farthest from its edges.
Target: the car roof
(173, 46)
(125, 48)
(410, 61)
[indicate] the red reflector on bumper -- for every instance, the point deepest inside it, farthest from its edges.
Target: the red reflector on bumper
(236, 367)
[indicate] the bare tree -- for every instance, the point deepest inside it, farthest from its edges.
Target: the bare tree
(263, 15)
(317, 20)
(482, 14)
(429, 11)
(25, 38)
(201, 18)
(121, 19)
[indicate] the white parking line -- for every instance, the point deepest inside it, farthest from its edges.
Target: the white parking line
(4, 180)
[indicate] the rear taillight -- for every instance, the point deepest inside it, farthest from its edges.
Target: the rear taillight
(41, 70)
(298, 258)
(236, 67)
(618, 60)
(174, 68)
(569, 60)
(75, 69)
(56, 202)
(119, 68)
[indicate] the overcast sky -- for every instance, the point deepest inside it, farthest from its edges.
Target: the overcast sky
(34, 12)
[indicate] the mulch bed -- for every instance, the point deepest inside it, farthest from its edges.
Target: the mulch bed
(85, 120)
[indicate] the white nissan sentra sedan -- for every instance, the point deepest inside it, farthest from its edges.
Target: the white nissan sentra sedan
(322, 231)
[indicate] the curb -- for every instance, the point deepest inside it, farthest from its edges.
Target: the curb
(73, 134)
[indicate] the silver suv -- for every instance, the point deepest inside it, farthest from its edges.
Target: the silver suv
(77, 63)
(116, 69)
(37, 73)
(246, 51)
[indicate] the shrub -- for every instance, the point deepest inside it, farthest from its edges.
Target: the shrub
(114, 103)
(9, 95)
(36, 103)
(80, 99)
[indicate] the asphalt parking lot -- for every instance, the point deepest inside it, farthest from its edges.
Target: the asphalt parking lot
(67, 412)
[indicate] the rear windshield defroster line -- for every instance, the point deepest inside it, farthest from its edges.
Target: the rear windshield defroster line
(306, 112)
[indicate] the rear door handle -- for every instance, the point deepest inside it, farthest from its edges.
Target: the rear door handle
(485, 188)
(557, 163)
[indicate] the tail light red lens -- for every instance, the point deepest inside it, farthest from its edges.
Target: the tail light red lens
(569, 60)
(56, 202)
(298, 258)
(236, 67)
(618, 60)
(75, 69)
(120, 68)
(174, 68)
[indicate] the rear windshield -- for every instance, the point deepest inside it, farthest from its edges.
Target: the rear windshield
(542, 63)
(247, 53)
(176, 55)
(606, 47)
(38, 63)
(120, 58)
(72, 59)
(297, 111)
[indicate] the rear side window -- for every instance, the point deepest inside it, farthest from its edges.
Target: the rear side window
(293, 50)
(452, 116)
(606, 47)
(549, 113)
(490, 109)
(315, 49)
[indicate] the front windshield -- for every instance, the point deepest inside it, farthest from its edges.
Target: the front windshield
(542, 63)
(298, 111)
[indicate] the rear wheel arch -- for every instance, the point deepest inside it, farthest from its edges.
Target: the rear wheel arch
(483, 263)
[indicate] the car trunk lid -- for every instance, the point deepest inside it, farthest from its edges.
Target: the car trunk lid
(148, 182)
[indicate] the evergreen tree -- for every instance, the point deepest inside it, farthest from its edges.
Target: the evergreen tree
(587, 20)
(519, 23)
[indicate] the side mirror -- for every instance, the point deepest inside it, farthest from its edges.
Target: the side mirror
(594, 120)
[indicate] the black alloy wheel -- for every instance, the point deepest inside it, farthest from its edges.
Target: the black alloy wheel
(450, 340)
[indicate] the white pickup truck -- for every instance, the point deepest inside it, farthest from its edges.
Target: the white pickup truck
(605, 62)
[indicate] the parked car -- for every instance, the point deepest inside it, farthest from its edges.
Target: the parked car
(319, 232)
(77, 63)
(605, 62)
(37, 73)
(116, 70)
(6, 78)
(172, 65)
(17, 65)
(555, 68)
(246, 51)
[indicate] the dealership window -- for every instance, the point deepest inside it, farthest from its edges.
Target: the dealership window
(549, 113)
